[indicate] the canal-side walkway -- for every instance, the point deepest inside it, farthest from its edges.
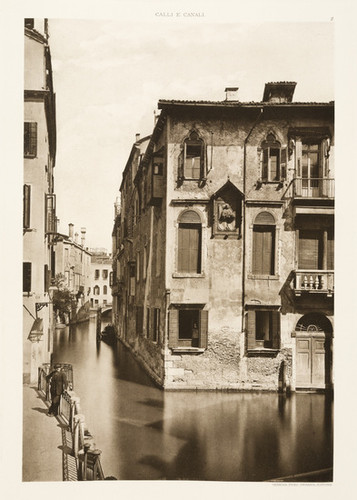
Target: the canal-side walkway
(46, 442)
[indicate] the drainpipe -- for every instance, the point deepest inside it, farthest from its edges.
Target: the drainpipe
(244, 210)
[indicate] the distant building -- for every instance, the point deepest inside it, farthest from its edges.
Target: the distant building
(73, 261)
(39, 199)
(99, 290)
(223, 244)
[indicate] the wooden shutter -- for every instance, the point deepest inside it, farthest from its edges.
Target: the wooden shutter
(50, 224)
(275, 329)
(181, 162)
(330, 250)
(250, 319)
(309, 249)
(298, 158)
(26, 206)
(203, 329)
(263, 250)
(265, 164)
(283, 163)
(203, 161)
(173, 327)
(26, 277)
(189, 237)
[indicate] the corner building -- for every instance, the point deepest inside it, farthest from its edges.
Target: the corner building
(39, 199)
(224, 241)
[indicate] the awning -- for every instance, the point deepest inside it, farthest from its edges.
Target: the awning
(36, 331)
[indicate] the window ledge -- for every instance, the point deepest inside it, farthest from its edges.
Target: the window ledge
(188, 275)
(188, 350)
(263, 277)
(262, 352)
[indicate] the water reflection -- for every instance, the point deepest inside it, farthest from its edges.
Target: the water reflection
(145, 433)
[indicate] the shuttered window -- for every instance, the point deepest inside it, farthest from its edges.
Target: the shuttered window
(188, 328)
(50, 213)
(30, 139)
(263, 258)
(26, 276)
(310, 249)
(263, 249)
(189, 243)
(189, 248)
(27, 206)
(330, 250)
(263, 329)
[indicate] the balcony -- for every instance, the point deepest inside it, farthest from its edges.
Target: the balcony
(311, 187)
(312, 195)
(313, 281)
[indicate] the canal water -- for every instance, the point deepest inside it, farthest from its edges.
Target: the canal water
(147, 434)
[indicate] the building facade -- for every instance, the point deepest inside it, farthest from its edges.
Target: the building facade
(99, 291)
(73, 261)
(39, 199)
(223, 255)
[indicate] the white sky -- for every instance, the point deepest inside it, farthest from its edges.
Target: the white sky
(109, 75)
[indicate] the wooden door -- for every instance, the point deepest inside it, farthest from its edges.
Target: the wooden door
(310, 362)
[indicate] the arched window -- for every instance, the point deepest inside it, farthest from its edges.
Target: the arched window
(96, 290)
(189, 243)
(193, 160)
(263, 258)
(105, 290)
(274, 160)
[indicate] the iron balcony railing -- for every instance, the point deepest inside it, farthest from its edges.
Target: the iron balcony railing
(314, 281)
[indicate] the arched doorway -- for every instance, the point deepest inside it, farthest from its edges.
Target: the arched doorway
(313, 351)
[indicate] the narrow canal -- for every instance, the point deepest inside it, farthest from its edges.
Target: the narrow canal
(145, 433)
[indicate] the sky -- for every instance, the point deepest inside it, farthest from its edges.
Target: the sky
(110, 74)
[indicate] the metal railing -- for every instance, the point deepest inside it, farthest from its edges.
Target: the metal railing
(84, 449)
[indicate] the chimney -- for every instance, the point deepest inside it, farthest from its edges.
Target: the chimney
(76, 237)
(83, 236)
(137, 137)
(70, 231)
(231, 93)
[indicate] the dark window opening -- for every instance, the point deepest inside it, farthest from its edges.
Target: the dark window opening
(188, 327)
(156, 325)
(29, 23)
(26, 206)
(26, 276)
(263, 329)
(30, 139)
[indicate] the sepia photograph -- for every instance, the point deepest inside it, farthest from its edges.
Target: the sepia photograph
(177, 178)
